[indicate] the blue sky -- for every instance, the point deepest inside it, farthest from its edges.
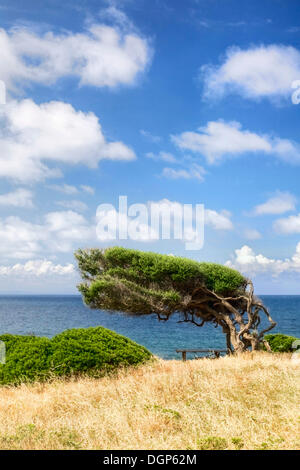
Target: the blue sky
(187, 102)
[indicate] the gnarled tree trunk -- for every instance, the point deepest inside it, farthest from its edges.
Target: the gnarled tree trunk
(239, 316)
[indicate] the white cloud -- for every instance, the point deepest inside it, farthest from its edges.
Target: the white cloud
(218, 220)
(32, 134)
(152, 138)
(37, 268)
(257, 72)
(70, 189)
(57, 232)
(279, 204)
(20, 239)
(66, 226)
(288, 225)
(115, 14)
(162, 156)
(63, 188)
(102, 56)
(195, 172)
(87, 189)
(221, 139)
(18, 198)
(63, 231)
(74, 204)
(252, 234)
(246, 261)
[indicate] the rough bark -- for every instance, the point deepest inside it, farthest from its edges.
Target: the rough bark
(239, 317)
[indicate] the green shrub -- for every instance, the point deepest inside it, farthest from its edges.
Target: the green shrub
(91, 351)
(280, 343)
(94, 351)
(27, 359)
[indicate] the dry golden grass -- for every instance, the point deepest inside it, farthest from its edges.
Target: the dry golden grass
(248, 402)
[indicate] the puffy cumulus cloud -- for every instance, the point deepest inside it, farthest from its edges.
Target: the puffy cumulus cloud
(279, 204)
(20, 239)
(287, 225)
(32, 134)
(218, 220)
(257, 72)
(249, 263)
(194, 172)
(219, 139)
(65, 227)
(58, 232)
(37, 268)
(18, 198)
(101, 56)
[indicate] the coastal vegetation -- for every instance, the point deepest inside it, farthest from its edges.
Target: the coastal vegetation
(144, 283)
(95, 389)
(246, 401)
(89, 351)
(92, 352)
(282, 343)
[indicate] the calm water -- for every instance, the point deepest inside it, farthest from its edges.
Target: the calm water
(49, 315)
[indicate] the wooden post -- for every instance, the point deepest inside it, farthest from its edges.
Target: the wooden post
(184, 355)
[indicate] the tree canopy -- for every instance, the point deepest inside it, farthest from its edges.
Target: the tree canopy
(139, 283)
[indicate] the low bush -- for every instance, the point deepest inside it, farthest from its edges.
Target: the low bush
(27, 359)
(90, 351)
(281, 343)
(94, 351)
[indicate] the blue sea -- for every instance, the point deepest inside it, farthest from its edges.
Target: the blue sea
(49, 315)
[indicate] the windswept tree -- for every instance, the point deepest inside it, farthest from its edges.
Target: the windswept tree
(143, 283)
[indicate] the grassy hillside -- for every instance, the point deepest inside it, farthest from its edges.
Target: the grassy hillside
(247, 402)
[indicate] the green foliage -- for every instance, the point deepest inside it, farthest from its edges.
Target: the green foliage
(147, 267)
(136, 281)
(91, 351)
(281, 343)
(27, 359)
